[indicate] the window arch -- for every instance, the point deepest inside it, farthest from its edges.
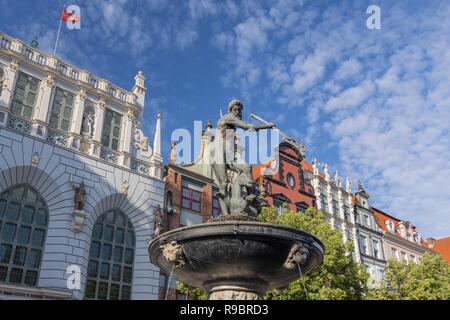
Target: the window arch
(23, 226)
(111, 257)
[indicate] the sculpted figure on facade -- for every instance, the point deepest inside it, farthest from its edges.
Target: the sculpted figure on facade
(80, 195)
(87, 125)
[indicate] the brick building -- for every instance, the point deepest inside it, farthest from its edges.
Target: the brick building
(285, 181)
(188, 199)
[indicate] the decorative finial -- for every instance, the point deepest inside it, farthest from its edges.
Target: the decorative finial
(348, 185)
(315, 165)
(326, 172)
(360, 187)
(208, 125)
(173, 153)
(337, 178)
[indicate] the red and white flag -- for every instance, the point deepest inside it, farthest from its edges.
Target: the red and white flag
(67, 16)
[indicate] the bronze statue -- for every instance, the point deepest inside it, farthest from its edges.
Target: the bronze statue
(225, 165)
(80, 195)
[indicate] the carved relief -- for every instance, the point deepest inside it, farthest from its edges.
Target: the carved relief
(50, 81)
(233, 295)
(173, 252)
(140, 141)
(297, 256)
(78, 217)
(35, 159)
(125, 187)
(14, 66)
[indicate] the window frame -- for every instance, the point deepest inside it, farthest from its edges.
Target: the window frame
(216, 210)
(39, 211)
(190, 199)
(108, 139)
(97, 259)
(27, 90)
(60, 116)
(362, 241)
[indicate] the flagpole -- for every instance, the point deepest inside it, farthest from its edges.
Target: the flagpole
(59, 30)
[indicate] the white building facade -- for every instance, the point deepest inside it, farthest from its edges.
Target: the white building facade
(370, 237)
(401, 240)
(351, 214)
(79, 182)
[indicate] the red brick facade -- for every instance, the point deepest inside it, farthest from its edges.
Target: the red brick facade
(287, 183)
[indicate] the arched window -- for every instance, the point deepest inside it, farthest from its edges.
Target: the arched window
(23, 226)
(111, 257)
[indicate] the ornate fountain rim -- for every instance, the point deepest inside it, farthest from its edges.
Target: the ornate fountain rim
(249, 228)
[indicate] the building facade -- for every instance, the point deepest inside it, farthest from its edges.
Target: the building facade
(188, 199)
(300, 185)
(370, 237)
(79, 183)
(401, 240)
(285, 181)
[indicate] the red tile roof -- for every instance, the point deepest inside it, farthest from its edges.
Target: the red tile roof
(441, 246)
(382, 217)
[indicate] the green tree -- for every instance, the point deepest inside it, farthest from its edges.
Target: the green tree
(192, 293)
(427, 280)
(337, 278)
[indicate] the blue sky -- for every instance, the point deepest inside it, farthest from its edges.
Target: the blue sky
(374, 104)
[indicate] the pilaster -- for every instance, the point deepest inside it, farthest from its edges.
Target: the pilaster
(39, 126)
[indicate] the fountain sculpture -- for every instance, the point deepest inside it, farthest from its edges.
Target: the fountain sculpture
(233, 256)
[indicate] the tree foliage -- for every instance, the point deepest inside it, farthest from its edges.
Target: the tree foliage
(428, 280)
(192, 293)
(337, 278)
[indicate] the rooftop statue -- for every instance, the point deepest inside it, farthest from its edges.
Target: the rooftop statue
(236, 194)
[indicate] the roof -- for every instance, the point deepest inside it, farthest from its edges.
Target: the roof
(441, 246)
(382, 217)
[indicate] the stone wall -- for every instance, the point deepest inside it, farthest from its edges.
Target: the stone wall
(51, 173)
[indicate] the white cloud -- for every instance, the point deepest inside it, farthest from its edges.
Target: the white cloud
(348, 68)
(382, 97)
(351, 97)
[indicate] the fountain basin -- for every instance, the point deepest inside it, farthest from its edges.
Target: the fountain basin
(236, 259)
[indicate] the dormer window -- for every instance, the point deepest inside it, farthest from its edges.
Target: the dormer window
(390, 225)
